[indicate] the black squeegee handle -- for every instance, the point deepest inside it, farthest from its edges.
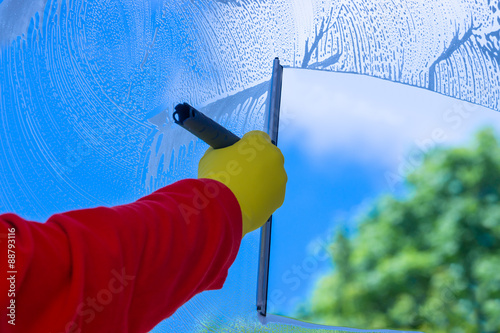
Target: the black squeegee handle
(203, 127)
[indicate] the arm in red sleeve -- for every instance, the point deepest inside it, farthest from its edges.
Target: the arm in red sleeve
(120, 269)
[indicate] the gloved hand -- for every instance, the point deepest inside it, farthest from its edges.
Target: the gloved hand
(253, 169)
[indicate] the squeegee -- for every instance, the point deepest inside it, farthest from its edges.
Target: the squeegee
(203, 127)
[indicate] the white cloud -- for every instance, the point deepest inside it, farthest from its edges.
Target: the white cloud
(370, 118)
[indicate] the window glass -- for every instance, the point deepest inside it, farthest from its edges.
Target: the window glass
(391, 214)
(88, 88)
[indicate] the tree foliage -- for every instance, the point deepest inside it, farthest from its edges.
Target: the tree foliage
(428, 262)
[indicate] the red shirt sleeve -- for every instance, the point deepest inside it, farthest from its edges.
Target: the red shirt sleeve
(119, 269)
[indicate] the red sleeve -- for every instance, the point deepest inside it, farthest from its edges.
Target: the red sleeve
(119, 269)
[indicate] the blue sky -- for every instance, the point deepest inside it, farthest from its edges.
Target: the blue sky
(347, 139)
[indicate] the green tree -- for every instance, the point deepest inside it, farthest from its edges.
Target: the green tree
(429, 261)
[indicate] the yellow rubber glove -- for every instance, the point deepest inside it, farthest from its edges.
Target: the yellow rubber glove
(253, 169)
